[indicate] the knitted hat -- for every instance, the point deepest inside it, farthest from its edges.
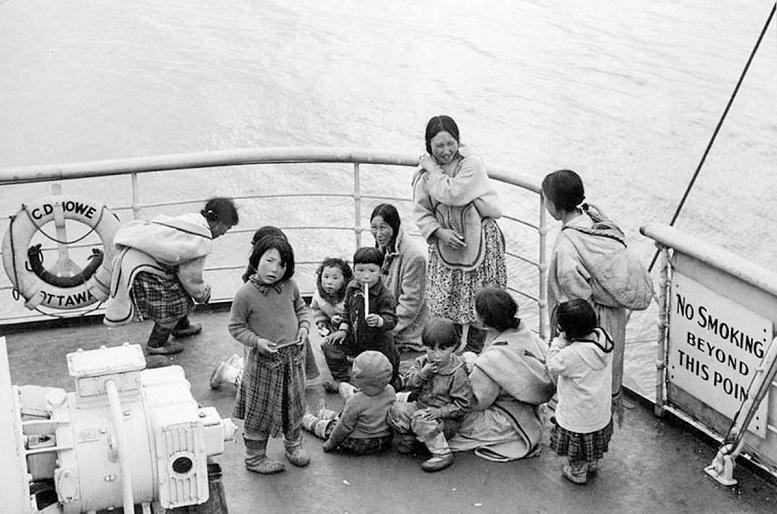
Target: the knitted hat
(371, 372)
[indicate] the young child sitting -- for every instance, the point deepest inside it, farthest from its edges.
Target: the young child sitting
(440, 386)
(361, 428)
(369, 317)
(581, 358)
(328, 302)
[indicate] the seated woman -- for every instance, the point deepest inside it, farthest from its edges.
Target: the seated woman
(404, 269)
(509, 381)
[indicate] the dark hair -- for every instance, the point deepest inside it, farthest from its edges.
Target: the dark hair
(284, 249)
(267, 230)
(334, 262)
(441, 123)
(576, 318)
(497, 308)
(368, 255)
(564, 188)
(391, 217)
(440, 333)
(220, 209)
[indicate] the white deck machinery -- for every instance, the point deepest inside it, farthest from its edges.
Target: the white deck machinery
(127, 436)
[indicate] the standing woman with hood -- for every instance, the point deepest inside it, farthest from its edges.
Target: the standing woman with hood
(404, 271)
(456, 209)
(587, 236)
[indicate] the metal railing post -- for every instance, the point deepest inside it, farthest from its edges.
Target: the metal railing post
(357, 206)
(665, 283)
(543, 269)
(135, 197)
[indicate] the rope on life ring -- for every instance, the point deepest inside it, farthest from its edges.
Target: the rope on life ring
(35, 257)
(24, 263)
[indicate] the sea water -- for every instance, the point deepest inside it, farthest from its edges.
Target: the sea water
(626, 92)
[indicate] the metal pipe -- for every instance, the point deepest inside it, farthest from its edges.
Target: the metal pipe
(663, 328)
(715, 256)
(543, 267)
(121, 443)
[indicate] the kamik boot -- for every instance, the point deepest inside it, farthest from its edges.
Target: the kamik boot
(256, 458)
(442, 456)
(185, 328)
(295, 453)
(159, 342)
(228, 372)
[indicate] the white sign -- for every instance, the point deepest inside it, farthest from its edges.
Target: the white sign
(715, 346)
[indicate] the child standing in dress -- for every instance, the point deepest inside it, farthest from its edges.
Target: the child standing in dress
(230, 371)
(328, 302)
(369, 316)
(361, 428)
(581, 358)
(270, 318)
(439, 383)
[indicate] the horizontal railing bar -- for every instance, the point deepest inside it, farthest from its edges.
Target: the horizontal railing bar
(238, 157)
(715, 256)
(527, 295)
(524, 259)
(522, 222)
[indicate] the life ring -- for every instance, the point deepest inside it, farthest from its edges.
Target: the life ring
(23, 264)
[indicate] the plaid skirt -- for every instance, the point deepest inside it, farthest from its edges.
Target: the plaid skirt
(161, 298)
(271, 395)
(588, 447)
(451, 293)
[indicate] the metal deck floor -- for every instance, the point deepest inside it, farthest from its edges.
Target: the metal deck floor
(654, 465)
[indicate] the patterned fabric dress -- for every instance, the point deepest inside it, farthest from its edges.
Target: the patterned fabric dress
(451, 292)
(270, 395)
(161, 298)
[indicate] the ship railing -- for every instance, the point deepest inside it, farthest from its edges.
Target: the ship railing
(716, 356)
(304, 191)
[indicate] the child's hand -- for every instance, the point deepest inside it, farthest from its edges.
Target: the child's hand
(323, 330)
(265, 347)
(429, 414)
(337, 337)
(302, 335)
(374, 320)
(428, 370)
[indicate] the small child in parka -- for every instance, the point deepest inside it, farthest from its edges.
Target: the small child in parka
(361, 428)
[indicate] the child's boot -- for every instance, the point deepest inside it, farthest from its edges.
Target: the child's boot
(593, 467)
(315, 425)
(159, 342)
(442, 456)
(227, 373)
(295, 453)
(185, 328)
(576, 472)
(256, 458)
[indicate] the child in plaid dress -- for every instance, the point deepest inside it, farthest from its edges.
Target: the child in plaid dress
(270, 318)
(581, 358)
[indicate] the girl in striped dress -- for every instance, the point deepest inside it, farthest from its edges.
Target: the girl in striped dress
(271, 319)
(581, 358)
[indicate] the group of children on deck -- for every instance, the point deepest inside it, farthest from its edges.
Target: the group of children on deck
(356, 314)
